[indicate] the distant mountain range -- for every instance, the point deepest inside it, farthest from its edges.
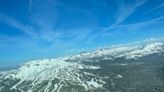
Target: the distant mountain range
(135, 67)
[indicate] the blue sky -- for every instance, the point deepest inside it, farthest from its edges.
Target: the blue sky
(36, 29)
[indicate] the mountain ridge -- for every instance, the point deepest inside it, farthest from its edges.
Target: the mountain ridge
(56, 75)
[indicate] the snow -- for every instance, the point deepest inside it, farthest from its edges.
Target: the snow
(53, 69)
(1, 88)
(130, 51)
(94, 84)
(119, 76)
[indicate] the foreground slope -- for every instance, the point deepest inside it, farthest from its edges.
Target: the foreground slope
(137, 67)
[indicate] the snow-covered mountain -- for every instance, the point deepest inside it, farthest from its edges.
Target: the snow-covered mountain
(82, 72)
(129, 51)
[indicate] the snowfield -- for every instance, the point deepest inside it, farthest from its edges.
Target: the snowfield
(53, 75)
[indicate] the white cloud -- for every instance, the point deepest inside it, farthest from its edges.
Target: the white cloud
(156, 8)
(137, 25)
(44, 33)
(124, 11)
(115, 31)
(30, 5)
(29, 30)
